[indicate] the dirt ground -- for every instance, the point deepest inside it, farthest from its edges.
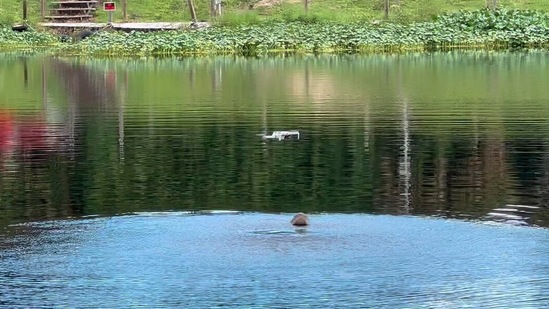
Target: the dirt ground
(267, 4)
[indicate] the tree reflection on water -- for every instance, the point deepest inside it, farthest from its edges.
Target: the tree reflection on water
(117, 136)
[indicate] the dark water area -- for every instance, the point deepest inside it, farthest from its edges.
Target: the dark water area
(451, 135)
(427, 176)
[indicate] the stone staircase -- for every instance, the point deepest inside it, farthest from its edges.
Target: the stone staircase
(72, 10)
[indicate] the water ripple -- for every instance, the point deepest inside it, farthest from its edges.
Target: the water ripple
(362, 260)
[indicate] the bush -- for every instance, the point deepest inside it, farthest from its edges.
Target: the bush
(244, 17)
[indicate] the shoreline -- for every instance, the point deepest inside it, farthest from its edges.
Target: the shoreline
(479, 30)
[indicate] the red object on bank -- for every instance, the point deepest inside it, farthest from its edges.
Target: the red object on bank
(109, 6)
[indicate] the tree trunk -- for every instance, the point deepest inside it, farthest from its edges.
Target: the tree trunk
(42, 8)
(492, 4)
(25, 11)
(125, 10)
(215, 8)
(193, 11)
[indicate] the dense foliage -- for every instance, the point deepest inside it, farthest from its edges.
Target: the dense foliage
(489, 29)
(29, 39)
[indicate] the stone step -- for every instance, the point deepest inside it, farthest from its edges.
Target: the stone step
(68, 16)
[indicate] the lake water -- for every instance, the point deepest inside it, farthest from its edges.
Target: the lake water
(426, 177)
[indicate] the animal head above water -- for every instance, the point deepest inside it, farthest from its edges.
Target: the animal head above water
(300, 219)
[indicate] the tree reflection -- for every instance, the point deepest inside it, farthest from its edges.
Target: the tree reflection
(119, 137)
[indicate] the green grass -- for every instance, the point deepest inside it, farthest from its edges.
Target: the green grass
(239, 12)
(480, 29)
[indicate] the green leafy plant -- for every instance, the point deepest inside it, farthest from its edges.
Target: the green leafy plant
(483, 29)
(10, 39)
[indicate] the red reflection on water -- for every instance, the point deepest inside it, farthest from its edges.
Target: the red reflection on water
(7, 138)
(33, 134)
(26, 134)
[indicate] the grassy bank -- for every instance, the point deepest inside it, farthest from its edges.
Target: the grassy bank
(483, 29)
(253, 11)
(29, 40)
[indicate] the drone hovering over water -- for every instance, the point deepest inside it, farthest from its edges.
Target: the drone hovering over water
(281, 135)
